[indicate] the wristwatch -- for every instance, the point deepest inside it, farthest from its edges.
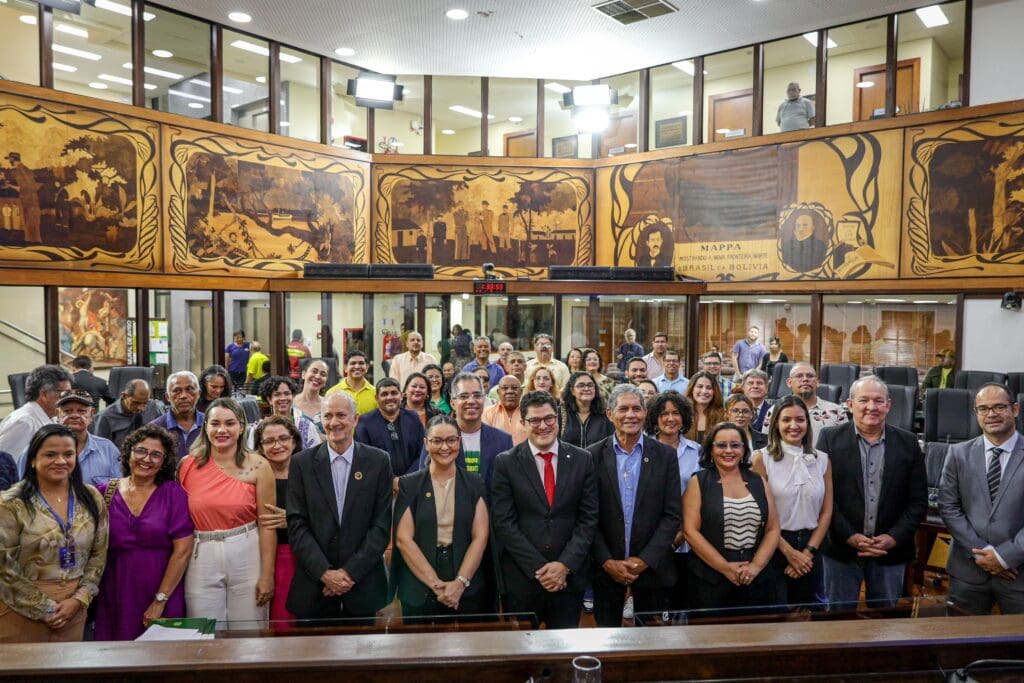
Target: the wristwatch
(812, 549)
(161, 597)
(463, 579)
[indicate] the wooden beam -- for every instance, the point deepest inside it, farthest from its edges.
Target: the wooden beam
(692, 334)
(698, 101)
(644, 110)
(428, 115)
(51, 325)
(817, 315)
(274, 89)
(280, 335)
(141, 326)
(540, 118)
(220, 336)
(217, 73)
(968, 38)
(485, 106)
(757, 125)
(891, 51)
(821, 80)
(44, 17)
(326, 100)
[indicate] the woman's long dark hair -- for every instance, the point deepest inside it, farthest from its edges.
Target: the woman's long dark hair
(569, 401)
(31, 478)
(445, 384)
(775, 440)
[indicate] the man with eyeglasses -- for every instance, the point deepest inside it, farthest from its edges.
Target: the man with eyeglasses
(481, 442)
(803, 381)
(43, 387)
(981, 500)
(505, 413)
(134, 409)
(671, 380)
(711, 363)
(544, 347)
(880, 499)
(543, 502)
(392, 428)
(639, 513)
(183, 420)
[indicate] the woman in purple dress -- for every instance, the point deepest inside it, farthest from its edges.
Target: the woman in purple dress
(150, 539)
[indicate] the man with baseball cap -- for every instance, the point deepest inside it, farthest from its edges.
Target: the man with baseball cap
(941, 376)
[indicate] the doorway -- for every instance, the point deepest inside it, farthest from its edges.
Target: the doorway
(869, 101)
(730, 115)
(521, 143)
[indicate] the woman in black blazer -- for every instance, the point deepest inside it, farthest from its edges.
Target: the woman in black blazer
(441, 532)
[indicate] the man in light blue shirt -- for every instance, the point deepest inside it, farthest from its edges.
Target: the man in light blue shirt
(671, 380)
(182, 420)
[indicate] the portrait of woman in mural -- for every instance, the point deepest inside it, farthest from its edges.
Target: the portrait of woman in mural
(654, 246)
(804, 238)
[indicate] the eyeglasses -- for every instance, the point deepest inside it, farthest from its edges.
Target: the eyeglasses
(537, 421)
(451, 441)
(728, 445)
(284, 440)
(476, 396)
(998, 409)
(585, 385)
(740, 412)
(144, 453)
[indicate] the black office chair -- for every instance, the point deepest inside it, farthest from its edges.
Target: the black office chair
(829, 392)
(1015, 382)
(904, 404)
(119, 378)
(949, 416)
(17, 384)
(778, 388)
(1020, 413)
(973, 379)
(842, 375)
(897, 375)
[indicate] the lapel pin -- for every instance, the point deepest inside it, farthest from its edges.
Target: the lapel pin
(646, 460)
(429, 494)
(358, 476)
(567, 456)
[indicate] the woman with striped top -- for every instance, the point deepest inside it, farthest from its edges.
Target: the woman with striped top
(730, 523)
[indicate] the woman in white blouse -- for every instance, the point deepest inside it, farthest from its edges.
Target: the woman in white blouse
(800, 479)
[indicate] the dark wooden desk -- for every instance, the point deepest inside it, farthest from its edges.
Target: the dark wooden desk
(627, 654)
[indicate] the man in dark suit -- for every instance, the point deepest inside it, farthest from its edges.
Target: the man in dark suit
(981, 500)
(393, 429)
(82, 378)
(881, 496)
(481, 443)
(640, 512)
(339, 521)
(544, 514)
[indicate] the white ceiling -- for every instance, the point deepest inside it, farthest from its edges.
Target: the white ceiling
(555, 39)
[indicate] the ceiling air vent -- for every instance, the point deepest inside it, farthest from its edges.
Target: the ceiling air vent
(632, 11)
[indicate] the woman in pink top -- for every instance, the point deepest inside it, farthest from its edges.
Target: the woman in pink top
(231, 576)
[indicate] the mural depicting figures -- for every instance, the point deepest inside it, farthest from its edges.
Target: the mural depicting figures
(245, 206)
(94, 323)
(521, 220)
(964, 203)
(76, 186)
(819, 209)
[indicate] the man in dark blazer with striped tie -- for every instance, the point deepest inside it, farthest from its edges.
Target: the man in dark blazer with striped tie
(981, 500)
(639, 513)
(544, 513)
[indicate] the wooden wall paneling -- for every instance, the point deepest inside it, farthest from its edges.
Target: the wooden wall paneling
(138, 47)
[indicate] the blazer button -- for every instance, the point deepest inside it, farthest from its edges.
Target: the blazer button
(547, 547)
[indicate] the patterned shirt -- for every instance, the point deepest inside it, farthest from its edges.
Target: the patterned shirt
(823, 414)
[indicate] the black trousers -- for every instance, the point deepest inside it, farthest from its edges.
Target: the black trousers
(679, 599)
(809, 589)
(707, 592)
(555, 610)
(432, 611)
(610, 596)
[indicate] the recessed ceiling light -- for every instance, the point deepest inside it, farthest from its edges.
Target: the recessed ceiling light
(344, 51)
(812, 38)
(123, 10)
(98, 86)
(458, 108)
(163, 54)
(456, 14)
(72, 30)
(74, 52)
(155, 72)
(195, 105)
(29, 19)
(932, 16)
(240, 17)
(866, 84)
(57, 66)
(515, 119)
(926, 301)
(261, 79)
(447, 131)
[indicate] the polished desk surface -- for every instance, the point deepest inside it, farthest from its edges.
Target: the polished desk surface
(666, 653)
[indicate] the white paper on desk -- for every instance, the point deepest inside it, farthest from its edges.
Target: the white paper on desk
(158, 632)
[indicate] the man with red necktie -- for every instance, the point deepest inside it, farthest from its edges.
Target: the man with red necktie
(543, 501)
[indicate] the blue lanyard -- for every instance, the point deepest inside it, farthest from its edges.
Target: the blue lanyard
(65, 529)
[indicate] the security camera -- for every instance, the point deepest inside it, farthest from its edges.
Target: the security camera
(1011, 301)
(488, 269)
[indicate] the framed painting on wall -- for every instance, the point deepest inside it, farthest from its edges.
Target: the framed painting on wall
(565, 147)
(670, 132)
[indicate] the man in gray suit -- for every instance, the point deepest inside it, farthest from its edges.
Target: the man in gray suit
(981, 500)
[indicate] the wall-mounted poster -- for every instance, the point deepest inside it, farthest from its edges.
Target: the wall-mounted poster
(964, 200)
(234, 205)
(565, 147)
(458, 218)
(77, 187)
(670, 132)
(820, 209)
(93, 324)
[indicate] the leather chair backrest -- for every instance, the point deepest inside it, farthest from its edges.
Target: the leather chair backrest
(251, 408)
(904, 405)
(119, 378)
(949, 416)
(934, 460)
(1020, 413)
(973, 379)
(17, 384)
(900, 375)
(842, 375)
(1015, 381)
(829, 392)
(778, 388)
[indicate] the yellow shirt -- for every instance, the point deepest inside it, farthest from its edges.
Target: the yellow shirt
(255, 365)
(365, 398)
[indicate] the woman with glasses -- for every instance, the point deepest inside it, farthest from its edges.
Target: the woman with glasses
(278, 392)
(314, 383)
(438, 388)
(705, 394)
(440, 535)
(150, 539)
(740, 411)
(416, 397)
(213, 383)
(800, 480)
(53, 532)
(584, 419)
(592, 363)
(277, 439)
(729, 520)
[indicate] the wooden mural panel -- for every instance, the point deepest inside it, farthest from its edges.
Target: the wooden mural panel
(825, 209)
(78, 187)
(964, 199)
(238, 206)
(459, 217)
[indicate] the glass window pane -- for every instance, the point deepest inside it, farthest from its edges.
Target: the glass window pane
(671, 105)
(530, 315)
(394, 315)
(575, 321)
(23, 338)
(456, 112)
(729, 95)
(646, 315)
(513, 130)
(347, 120)
(789, 61)
(245, 82)
(19, 50)
(435, 330)
(856, 71)
(405, 121)
(624, 122)
(930, 57)
(561, 139)
(187, 332)
(302, 316)
(249, 312)
(902, 329)
(92, 53)
(344, 329)
(300, 95)
(182, 81)
(726, 320)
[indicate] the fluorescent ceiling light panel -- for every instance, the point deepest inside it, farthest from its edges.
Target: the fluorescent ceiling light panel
(57, 66)
(812, 38)
(866, 84)
(932, 16)
(98, 86)
(124, 81)
(74, 52)
(27, 19)
(225, 88)
(891, 301)
(123, 10)
(72, 30)
(195, 105)
(188, 96)
(515, 119)
(459, 109)
(156, 72)
(447, 131)
(557, 87)
(456, 14)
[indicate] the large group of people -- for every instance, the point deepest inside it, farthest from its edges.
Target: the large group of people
(537, 488)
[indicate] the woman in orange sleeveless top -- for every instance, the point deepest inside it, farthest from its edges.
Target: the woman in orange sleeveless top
(231, 575)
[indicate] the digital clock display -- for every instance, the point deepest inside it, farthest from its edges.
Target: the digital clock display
(489, 287)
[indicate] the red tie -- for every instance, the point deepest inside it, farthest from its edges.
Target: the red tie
(549, 477)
